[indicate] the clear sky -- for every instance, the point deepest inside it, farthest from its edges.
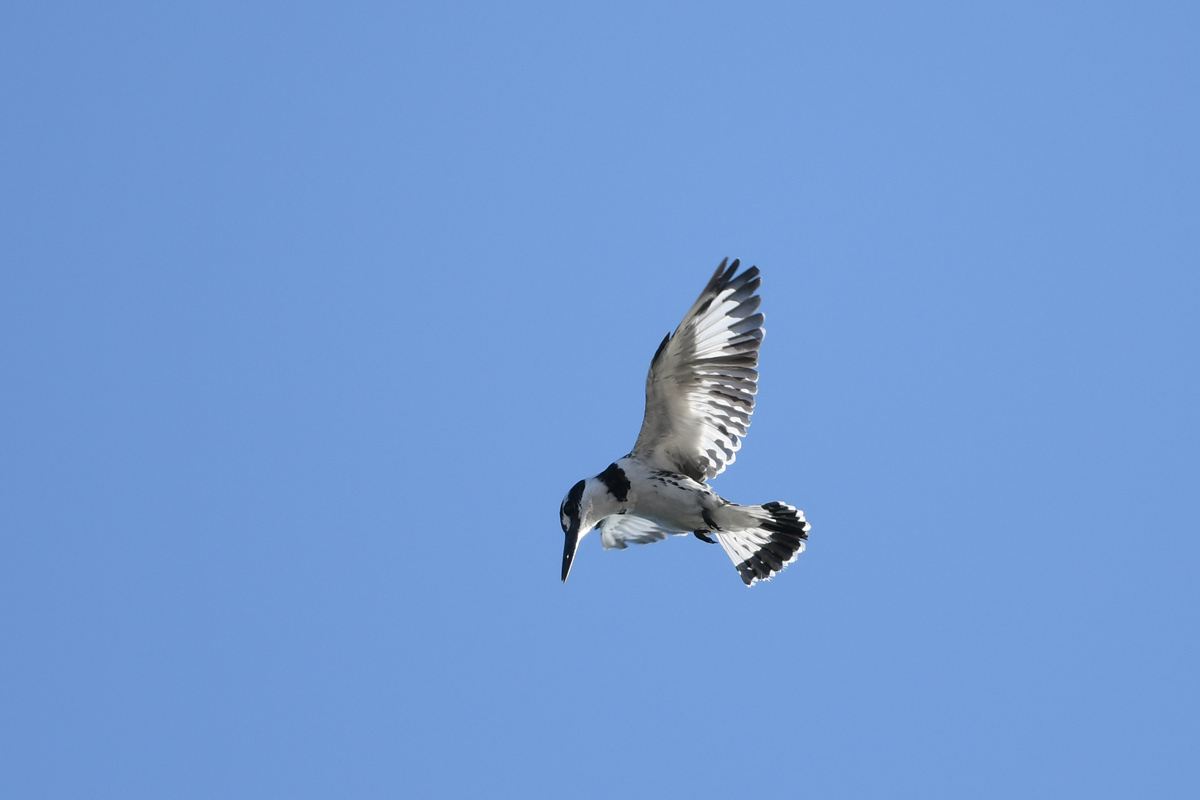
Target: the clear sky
(310, 314)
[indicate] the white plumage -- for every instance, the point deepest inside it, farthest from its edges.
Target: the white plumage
(702, 381)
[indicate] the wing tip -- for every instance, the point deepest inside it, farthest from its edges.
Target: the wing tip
(727, 274)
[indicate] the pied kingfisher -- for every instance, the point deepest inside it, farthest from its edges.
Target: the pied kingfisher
(699, 397)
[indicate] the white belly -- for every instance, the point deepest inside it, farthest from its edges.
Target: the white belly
(672, 500)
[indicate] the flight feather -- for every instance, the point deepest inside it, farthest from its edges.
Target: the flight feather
(703, 378)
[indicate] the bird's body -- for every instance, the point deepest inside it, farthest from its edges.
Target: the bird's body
(699, 398)
(673, 502)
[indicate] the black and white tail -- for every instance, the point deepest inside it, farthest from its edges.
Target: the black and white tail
(761, 552)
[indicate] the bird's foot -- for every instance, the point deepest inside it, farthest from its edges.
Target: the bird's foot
(704, 537)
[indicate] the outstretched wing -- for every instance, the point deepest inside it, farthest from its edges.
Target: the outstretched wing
(702, 381)
(620, 530)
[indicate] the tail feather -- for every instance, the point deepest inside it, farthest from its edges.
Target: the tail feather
(761, 552)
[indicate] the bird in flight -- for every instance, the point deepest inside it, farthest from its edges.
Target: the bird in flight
(699, 398)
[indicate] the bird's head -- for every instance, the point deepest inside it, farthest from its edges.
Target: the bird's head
(577, 519)
(587, 504)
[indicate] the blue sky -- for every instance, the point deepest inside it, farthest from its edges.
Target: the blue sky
(310, 315)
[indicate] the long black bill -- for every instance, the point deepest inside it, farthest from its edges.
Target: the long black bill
(569, 550)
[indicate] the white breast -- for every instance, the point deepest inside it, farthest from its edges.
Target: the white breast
(672, 500)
